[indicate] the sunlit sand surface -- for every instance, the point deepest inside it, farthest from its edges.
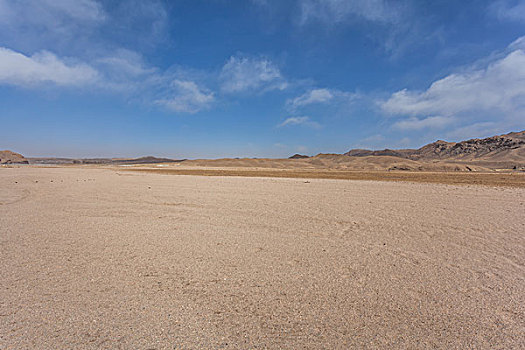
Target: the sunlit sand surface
(108, 258)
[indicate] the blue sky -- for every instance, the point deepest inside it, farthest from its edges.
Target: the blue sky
(259, 78)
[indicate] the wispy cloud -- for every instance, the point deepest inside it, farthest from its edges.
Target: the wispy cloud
(78, 9)
(493, 92)
(124, 73)
(372, 141)
(312, 96)
(243, 74)
(518, 44)
(379, 141)
(51, 13)
(81, 58)
(321, 96)
(480, 129)
(43, 68)
(187, 97)
(125, 64)
(304, 121)
(395, 26)
(435, 122)
(334, 11)
(143, 22)
(83, 28)
(508, 10)
(30, 23)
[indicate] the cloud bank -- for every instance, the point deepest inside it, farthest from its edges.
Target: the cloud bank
(493, 92)
(43, 67)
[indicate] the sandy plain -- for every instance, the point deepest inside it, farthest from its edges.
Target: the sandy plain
(95, 258)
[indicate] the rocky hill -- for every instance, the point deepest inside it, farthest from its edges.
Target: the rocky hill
(503, 148)
(298, 156)
(9, 157)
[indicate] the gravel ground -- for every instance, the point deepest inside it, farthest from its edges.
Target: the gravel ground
(97, 259)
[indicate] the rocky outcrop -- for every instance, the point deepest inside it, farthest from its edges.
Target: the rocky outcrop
(9, 157)
(474, 148)
(298, 156)
(490, 148)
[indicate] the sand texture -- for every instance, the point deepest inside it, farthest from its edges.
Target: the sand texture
(505, 179)
(106, 259)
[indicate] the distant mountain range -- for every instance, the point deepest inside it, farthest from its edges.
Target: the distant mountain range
(491, 153)
(508, 147)
(9, 157)
(110, 161)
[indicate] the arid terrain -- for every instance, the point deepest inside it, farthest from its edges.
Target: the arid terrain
(262, 174)
(100, 257)
(496, 153)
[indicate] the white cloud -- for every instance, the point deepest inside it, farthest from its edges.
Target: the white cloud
(334, 11)
(241, 74)
(418, 124)
(81, 27)
(518, 44)
(305, 121)
(49, 14)
(312, 96)
(335, 100)
(187, 97)
(508, 10)
(77, 9)
(126, 70)
(125, 73)
(496, 91)
(36, 34)
(84, 10)
(43, 67)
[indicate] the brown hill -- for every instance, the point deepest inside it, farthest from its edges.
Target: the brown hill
(298, 156)
(9, 157)
(505, 152)
(490, 148)
(497, 151)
